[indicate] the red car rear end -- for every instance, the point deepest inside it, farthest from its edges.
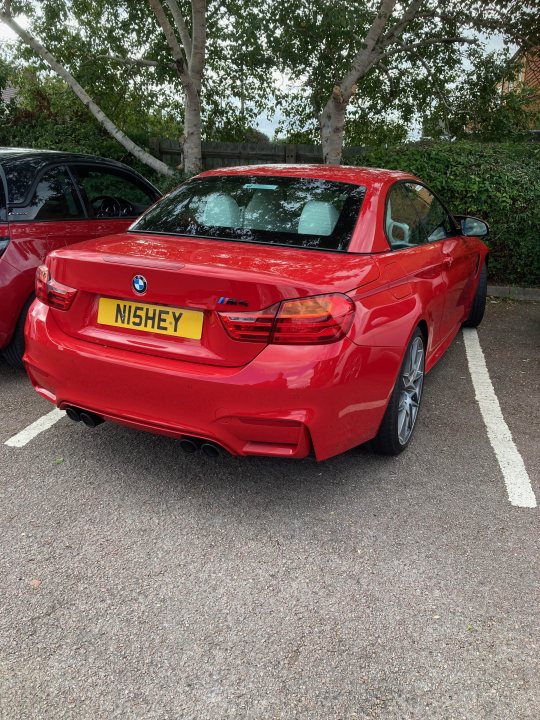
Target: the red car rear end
(273, 335)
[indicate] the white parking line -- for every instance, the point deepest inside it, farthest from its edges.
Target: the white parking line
(37, 427)
(518, 484)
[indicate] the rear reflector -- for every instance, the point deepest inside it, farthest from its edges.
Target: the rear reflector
(307, 321)
(53, 293)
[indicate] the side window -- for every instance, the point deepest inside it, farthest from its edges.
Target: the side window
(415, 216)
(55, 198)
(113, 194)
(403, 226)
(433, 217)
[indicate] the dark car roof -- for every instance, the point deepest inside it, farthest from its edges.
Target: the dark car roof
(21, 165)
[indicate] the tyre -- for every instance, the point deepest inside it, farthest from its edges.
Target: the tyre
(13, 353)
(401, 414)
(479, 302)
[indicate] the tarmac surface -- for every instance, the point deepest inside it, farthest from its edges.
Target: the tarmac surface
(138, 582)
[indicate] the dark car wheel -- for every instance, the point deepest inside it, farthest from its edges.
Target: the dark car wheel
(13, 353)
(479, 302)
(401, 414)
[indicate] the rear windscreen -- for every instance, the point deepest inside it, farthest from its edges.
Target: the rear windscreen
(300, 212)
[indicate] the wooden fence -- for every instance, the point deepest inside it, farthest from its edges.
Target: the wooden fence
(224, 154)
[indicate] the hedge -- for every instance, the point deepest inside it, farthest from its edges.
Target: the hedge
(498, 182)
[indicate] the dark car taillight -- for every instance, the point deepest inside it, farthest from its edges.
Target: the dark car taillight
(313, 320)
(4, 242)
(51, 292)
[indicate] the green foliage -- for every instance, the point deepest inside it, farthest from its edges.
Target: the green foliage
(475, 105)
(47, 115)
(499, 182)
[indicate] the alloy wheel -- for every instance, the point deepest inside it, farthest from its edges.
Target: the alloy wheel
(412, 381)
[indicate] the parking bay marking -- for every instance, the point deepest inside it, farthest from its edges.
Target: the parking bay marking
(516, 478)
(40, 425)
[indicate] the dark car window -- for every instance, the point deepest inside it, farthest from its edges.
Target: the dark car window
(54, 198)
(275, 210)
(3, 206)
(111, 193)
(415, 216)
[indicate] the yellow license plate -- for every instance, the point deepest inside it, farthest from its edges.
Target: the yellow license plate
(163, 319)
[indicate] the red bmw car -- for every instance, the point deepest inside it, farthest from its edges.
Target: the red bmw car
(270, 310)
(49, 200)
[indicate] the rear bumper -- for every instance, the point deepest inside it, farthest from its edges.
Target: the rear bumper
(287, 400)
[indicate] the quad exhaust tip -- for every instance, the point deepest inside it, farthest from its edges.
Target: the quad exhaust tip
(191, 445)
(90, 419)
(211, 450)
(188, 445)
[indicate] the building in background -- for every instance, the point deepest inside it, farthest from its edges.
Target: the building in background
(528, 75)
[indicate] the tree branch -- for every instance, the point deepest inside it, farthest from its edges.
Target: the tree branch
(426, 43)
(182, 27)
(198, 53)
(397, 30)
(142, 62)
(366, 57)
(172, 42)
(84, 97)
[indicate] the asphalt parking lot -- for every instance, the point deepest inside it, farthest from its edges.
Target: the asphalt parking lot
(138, 582)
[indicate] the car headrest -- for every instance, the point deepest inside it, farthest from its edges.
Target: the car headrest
(263, 211)
(221, 210)
(317, 218)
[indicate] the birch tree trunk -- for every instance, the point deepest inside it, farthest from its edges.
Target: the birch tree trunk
(83, 96)
(332, 118)
(192, 133)
(332, 127)
(189, 59)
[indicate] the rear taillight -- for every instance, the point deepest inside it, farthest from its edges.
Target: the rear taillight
(315, 320)
(307, 321)
(252, 326)
(51, 292)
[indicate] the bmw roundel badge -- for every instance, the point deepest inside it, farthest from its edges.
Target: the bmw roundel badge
(139, 284)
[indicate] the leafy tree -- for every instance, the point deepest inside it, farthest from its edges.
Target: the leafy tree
(480, 108)
(108, 52)
(351, 62)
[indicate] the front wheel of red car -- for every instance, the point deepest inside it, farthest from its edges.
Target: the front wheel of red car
(401, 414)
(13, 353)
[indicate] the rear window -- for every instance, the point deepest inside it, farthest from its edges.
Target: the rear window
(299, 212)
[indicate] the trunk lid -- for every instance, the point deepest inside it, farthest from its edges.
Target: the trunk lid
(195, 274)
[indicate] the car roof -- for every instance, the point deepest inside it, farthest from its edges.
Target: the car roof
(339, 173)
(21, 165)
(22, 154)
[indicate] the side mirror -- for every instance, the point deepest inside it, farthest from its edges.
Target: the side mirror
(473, 226)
